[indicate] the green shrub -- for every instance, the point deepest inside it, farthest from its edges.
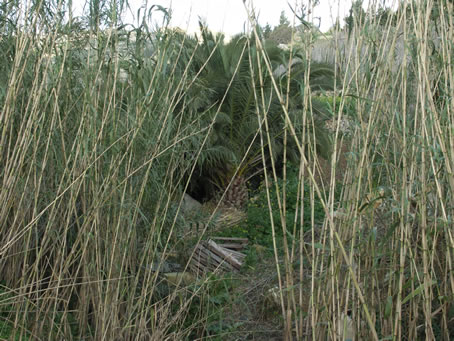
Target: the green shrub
(258, 223)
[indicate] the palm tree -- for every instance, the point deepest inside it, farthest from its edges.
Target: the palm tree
(228, 81)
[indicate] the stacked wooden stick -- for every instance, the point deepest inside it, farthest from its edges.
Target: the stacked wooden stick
(218, 254)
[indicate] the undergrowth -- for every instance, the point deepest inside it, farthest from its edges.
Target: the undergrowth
(105, 127)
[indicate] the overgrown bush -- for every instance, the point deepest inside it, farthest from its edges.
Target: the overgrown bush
(258, 223)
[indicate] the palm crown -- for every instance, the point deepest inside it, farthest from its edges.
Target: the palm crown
(227, 90)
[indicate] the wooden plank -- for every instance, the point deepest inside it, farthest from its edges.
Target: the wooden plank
(196, 269)
(202, 267)
(208, 255)
(233, 239)
(220, 261)
(201, 257)
(233, 246)
(222, 253)
(203, 260)
(194, 266)
(211, 260)
(236, 254)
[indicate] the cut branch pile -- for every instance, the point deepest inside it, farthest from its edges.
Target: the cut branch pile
(218, 254)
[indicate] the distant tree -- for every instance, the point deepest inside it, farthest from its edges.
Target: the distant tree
(282, 34)
(283, 20)
(384, 14)
(267, 31)
(356, 16)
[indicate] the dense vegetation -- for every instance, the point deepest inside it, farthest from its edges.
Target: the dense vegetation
(343, 174)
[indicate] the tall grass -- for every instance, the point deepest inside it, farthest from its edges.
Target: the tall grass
(90, 163)
(379, 268)
(96, 129)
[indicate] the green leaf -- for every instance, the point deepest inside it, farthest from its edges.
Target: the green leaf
(320, 246)
(389, 305)
(416, 292)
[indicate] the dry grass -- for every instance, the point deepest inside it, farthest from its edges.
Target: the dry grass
(386, 262)
(92, 182)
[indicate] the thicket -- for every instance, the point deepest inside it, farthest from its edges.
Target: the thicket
(105, 126)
